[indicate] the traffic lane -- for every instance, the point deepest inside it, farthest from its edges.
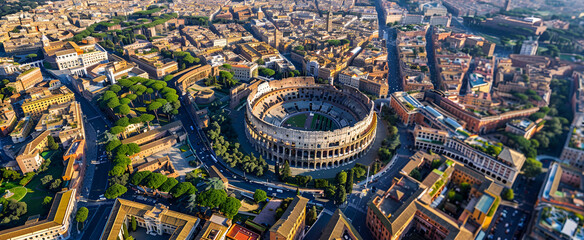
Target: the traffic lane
(100, 180)
(97, 224)
(316, 229)
(359, 221)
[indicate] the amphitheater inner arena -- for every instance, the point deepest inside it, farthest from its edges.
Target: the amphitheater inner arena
(309, 125)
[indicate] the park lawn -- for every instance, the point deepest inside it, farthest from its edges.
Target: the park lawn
(37, 192)
(8, 185)
(48, 154)
(297, 121)
(19, 193)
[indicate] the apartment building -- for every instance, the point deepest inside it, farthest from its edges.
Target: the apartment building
(573, 152)
(29, 158)
(157, 220)
(410, 204)
(291, 225)
(27, 79)
(155, 67)
(22, 129)
(65, 121)
(36, 105)
(504, 166)
(253, 51)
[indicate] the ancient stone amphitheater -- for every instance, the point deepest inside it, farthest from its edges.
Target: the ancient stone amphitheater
(309, 125)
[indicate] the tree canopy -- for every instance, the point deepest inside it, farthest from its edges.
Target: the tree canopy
(82, 214)
(260, 195)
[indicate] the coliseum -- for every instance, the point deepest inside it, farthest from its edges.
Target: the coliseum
(309, 125)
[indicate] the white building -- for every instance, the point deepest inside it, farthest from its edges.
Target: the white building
(244, 71)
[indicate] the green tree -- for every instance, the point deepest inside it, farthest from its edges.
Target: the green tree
(168, 185)
(532, 167)
(147, 118)
(133, 224)
(349, 184)
(122, 109)
(9, 174)
(51, 143)
(321, 183)
(212, 198)
(31, 56)
(82, 214)
(138, 177)
(115, 191)
(112, 145)
(230, 207)
(311, 216)
(123, 122)
(117, 170)
(508, 194)
(341, 195)
(415, 174)
(155, 180)
(56, 184)
(341, 178)
(181, 189)
(154, 106)
(266, 72)
(260, 195)
(46, 179)
(168, 77)
(286, 172)
(47, 200)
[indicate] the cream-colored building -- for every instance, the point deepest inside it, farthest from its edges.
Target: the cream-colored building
(291, 225)
(29, 158)
(157, 220)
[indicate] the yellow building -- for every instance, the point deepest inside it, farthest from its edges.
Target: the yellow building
(34, 107)
(291, 225)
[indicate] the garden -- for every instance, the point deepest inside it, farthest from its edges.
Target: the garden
(30, 194)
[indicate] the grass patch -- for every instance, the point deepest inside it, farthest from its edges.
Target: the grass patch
(19, 193)
(297, 121)
(184, 148)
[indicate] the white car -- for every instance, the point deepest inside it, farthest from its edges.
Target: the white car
(279, 190)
